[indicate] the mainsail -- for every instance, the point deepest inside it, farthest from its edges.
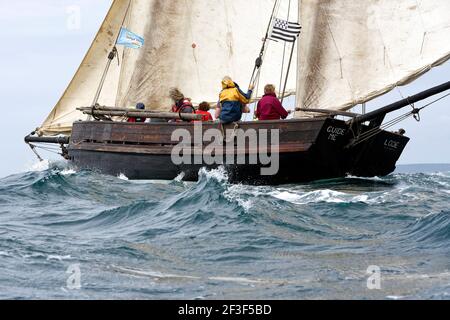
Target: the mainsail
(353, 51)
(189, 44)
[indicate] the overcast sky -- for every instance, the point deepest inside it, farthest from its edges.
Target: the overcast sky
(43, 44)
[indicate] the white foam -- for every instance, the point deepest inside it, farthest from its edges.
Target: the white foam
(40, 166)
(4, 254)
(366, 179)
(58, 258)
(68, 172)
(441, 174)
(287, 196)
(123, 177)
(328, 196)
(218, 174)
(234, 193)
(180, 177)
(51, 257)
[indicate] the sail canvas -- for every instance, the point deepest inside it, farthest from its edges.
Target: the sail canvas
(189, 44)
(354, 51)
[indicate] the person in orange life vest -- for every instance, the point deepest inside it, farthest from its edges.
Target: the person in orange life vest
(139, 106)
(269, 107)
(203, 110)
(181, 103)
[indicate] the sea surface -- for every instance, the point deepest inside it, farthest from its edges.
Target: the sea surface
(69, 234)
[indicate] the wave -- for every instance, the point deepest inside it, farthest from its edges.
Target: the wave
(87, 201)
(219, 236)
(319, 196)
(40, 166)
(431, 231)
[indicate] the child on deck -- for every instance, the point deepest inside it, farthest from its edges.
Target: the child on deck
(203, 110)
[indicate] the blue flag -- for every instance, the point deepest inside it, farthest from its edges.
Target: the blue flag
(130, 39)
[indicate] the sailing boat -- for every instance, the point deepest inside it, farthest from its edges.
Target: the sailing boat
(349, 53)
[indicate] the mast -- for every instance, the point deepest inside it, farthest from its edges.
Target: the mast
(259, 61)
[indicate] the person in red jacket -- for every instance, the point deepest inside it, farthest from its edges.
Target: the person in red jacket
(203, 110)
(269, 107)
(181, 103)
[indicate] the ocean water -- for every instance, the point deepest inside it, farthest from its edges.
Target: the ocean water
(69, 234)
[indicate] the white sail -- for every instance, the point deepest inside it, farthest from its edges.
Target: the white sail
(82, 89)
(190, 44)
(353, 51)
(193, 44)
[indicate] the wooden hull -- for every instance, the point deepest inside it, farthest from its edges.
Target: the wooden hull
(308, 150)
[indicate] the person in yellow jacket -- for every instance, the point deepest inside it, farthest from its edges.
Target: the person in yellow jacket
(233, 101)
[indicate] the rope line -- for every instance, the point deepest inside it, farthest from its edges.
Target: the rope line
(259, 62)
(284, 48)
(415, 113)
(48, 149)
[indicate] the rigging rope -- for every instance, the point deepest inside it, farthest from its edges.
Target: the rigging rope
(415, 113)
(284, 48)
(111, 56)
(48, 149)
(259, 61)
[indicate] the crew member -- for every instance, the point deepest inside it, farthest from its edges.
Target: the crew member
(233, 101)
(269, 107)
(203, 110)
(139, 106)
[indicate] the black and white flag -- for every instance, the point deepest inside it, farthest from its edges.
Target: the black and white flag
(285, 31)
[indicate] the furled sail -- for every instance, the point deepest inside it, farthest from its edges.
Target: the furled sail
(189, 44)
(353, 51)
(82, 89)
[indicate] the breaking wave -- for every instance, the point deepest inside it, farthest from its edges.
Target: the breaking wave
(210, 238)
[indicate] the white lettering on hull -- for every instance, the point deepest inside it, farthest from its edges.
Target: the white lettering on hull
(334, 133)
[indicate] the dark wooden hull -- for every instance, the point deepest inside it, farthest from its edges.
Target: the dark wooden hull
(308, 150)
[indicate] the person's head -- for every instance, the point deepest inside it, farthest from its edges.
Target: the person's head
(204, 106)
(269, 89)
(227, 82)
(140, 106)
(176, 95)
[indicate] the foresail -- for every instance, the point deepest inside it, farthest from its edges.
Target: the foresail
(193, 44)
(353, 51)
(82, 89)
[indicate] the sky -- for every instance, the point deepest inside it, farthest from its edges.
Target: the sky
(43, 43)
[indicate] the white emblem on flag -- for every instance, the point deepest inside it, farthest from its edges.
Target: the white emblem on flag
(285, 31)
